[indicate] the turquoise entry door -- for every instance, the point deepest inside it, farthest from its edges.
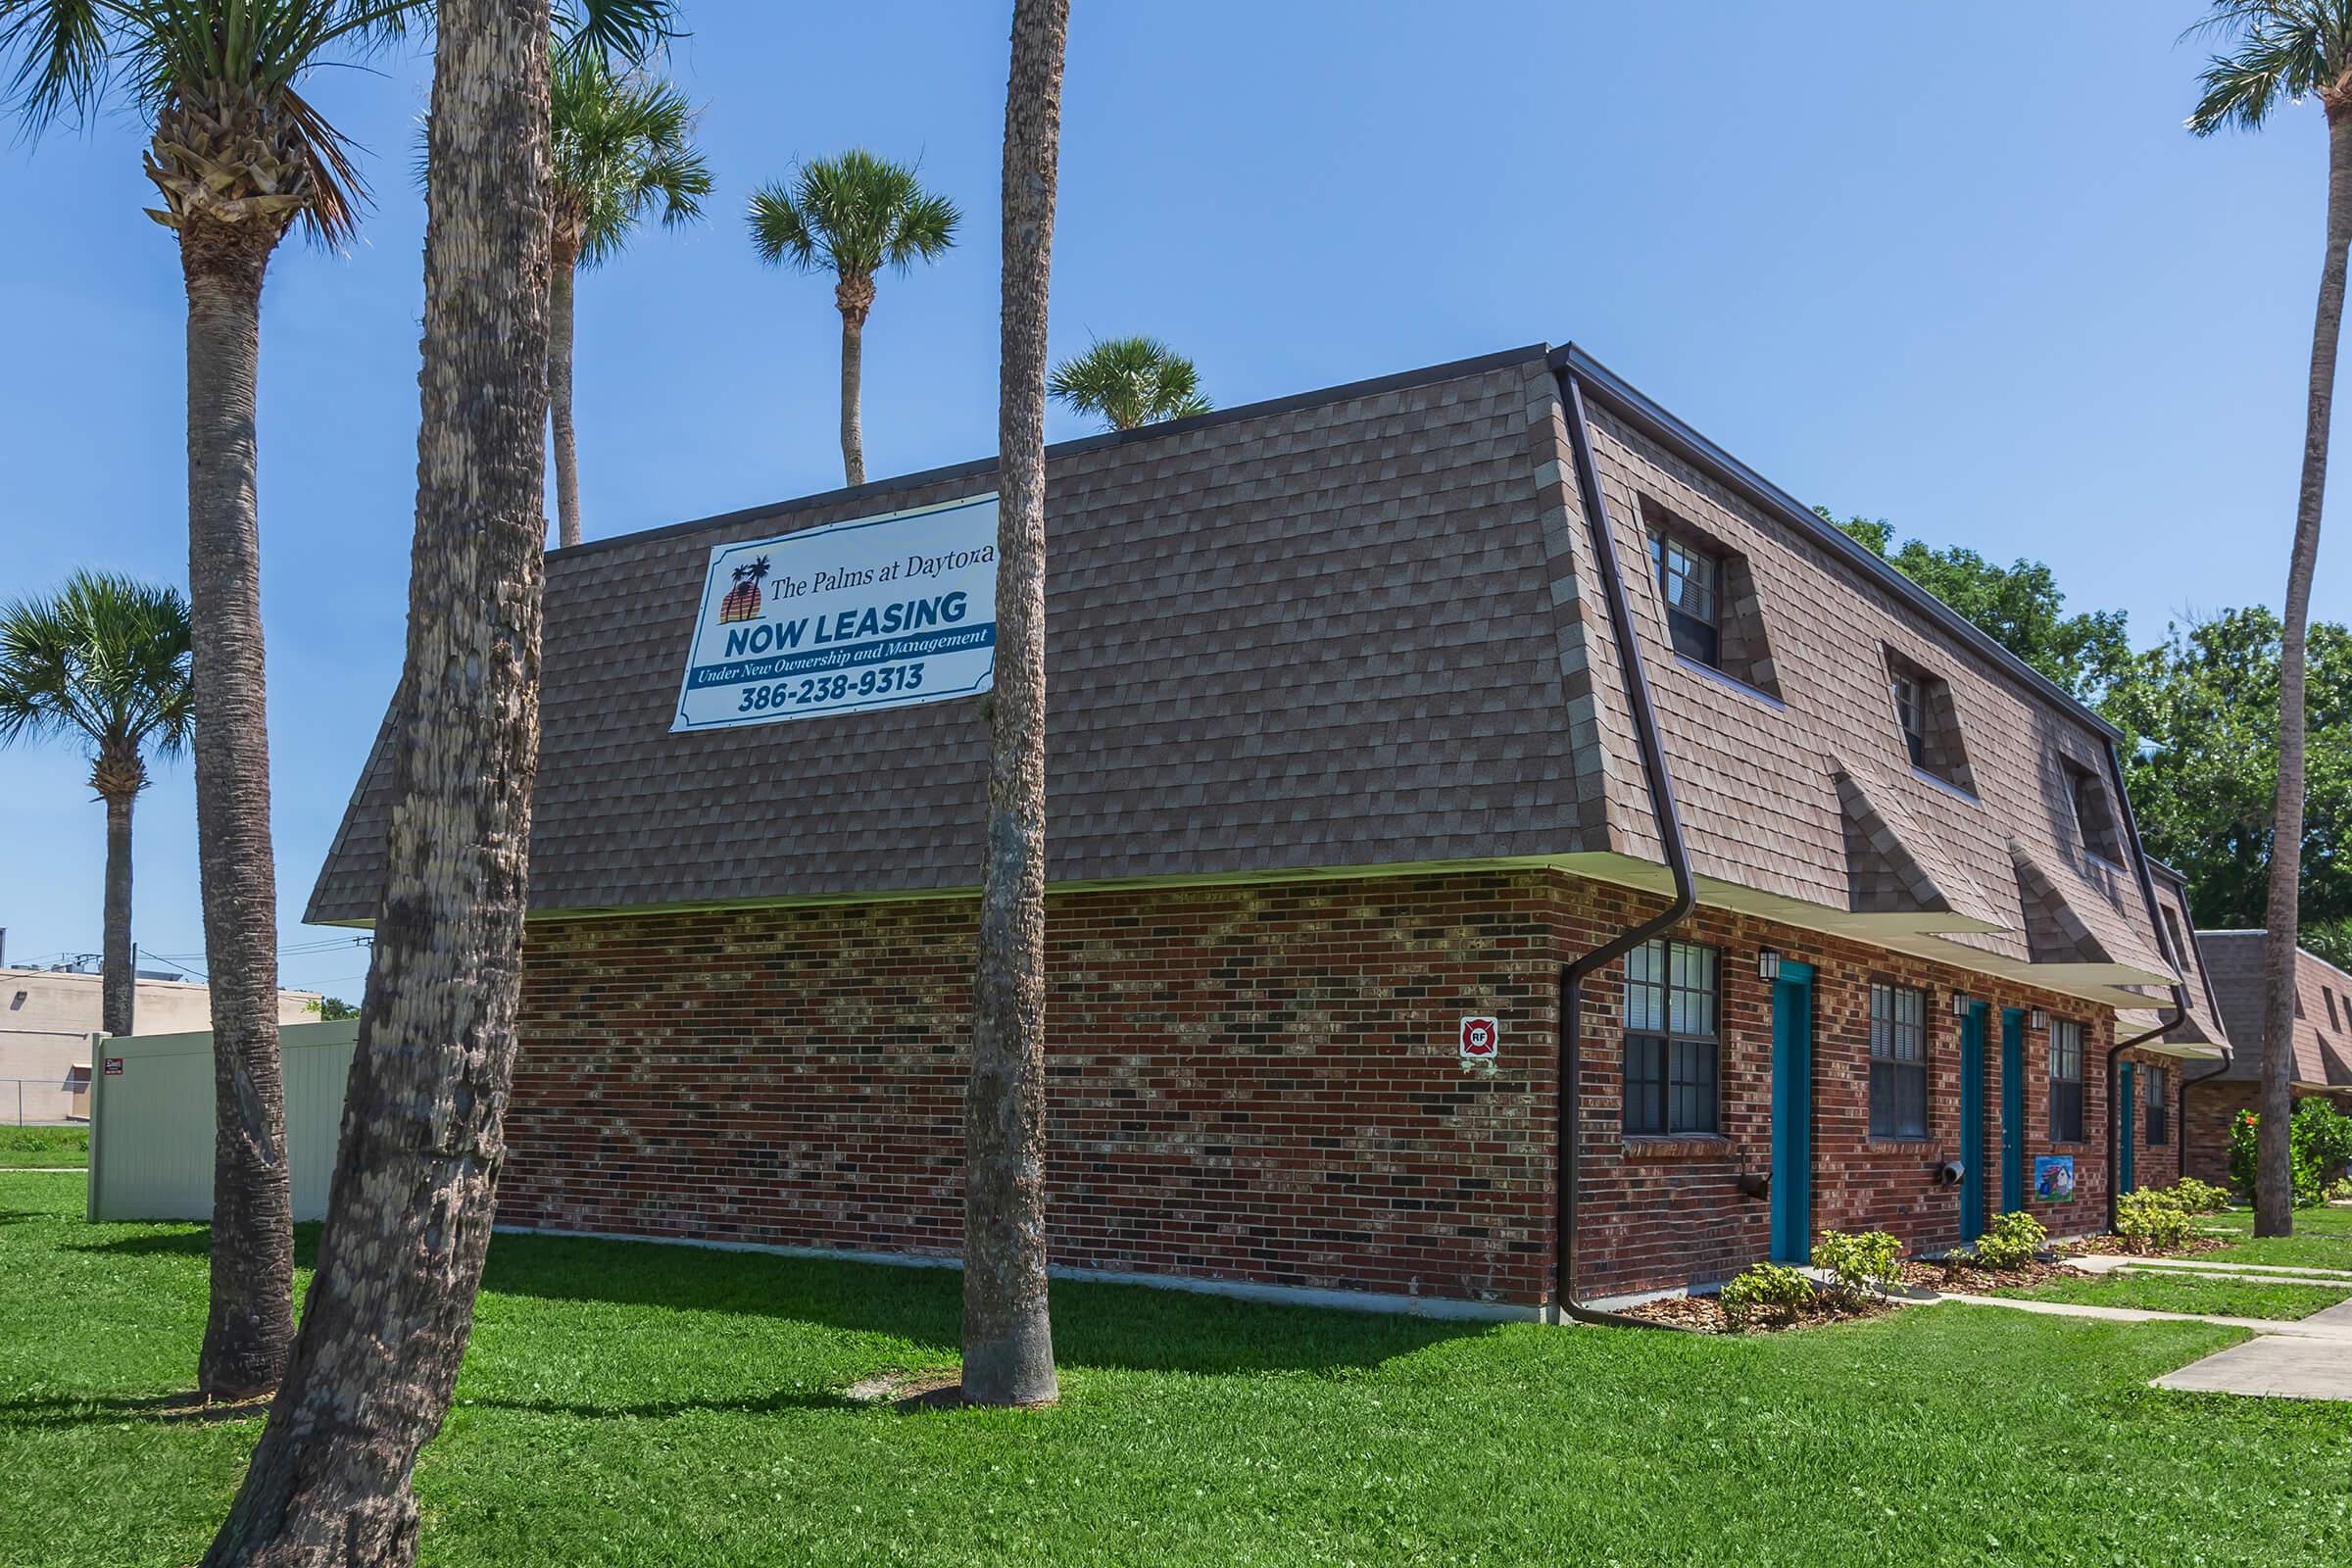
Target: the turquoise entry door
(2127, 1132)
(2013, 1110)
(1792, 1114)
(1972, 1123)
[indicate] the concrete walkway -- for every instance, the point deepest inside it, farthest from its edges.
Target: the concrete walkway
(2303, 1358)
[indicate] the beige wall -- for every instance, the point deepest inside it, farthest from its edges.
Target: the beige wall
(46, 1019)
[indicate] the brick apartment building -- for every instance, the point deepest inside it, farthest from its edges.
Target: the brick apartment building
(2322, 1042)
(1348, 749)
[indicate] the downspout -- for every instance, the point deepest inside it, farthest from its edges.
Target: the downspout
(1567, 1164)
(2169, 1019)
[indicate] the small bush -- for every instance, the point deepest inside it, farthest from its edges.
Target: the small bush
(2152, 1221)
(2319, 1146)
(1768, 1288)
(2012, 1241)
(1867, 1260)
(2193, 1196)
(2342, 1191)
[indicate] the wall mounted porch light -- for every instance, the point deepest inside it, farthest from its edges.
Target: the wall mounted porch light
(1961, 1003)
(2037, 1020)
(1768, 963)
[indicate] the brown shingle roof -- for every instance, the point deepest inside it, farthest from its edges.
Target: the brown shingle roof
(1351, 629)
(2323, 995)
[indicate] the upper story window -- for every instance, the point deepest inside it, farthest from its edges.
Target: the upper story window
(2153, 1099)
(1672, 1003)
(2066, 1081)
(1708, 596)
(2331, 996)
(2183, 954)
(1898, 1063)
(2094, 813)
(1691, 579)
(1928, 721)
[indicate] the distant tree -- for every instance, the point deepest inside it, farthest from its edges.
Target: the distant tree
(2017, 606)
(2331, 940)
(2201, 711)
(624, 150)
(333, 1009)
(2283, 52)
(1007, 1326)
(851, 215)
(105, 663)
(1130, 381)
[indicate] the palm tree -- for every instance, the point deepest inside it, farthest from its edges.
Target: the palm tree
(239, 153)
(391, 1306)
(105, 662)
(851, 215)
(1008, 1332)
(2284, 51)
(622, 150)
(1130, 381)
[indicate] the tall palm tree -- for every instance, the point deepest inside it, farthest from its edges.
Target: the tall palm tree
(408, 1225)
(1008, 1332)
(239, 154)
(2284, 51)
(851, 215)
(1130, 381)
(623, 149)
(104, 662)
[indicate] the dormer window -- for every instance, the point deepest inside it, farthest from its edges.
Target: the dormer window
(1708, 597)
(2094, 813)
(1691, 579)
(1929, 722)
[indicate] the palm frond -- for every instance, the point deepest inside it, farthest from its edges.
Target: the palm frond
(623, 149)
(614, 33)
(853, 216)
(1129, 382)
(61, 54)
(2276, 51)
(105, 660)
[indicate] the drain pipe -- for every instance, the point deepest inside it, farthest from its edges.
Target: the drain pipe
(2168, 1020)
(1567, 1163)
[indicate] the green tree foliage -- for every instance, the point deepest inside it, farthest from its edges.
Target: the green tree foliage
(2017, 606)
(2202, 713)
(1128, 383)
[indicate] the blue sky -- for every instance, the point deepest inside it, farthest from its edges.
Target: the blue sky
(1954, 265)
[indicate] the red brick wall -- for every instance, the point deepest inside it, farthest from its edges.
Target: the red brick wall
(1256, 1084)
(2156, 1165)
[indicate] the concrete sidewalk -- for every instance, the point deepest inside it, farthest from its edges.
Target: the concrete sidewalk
(2307, 1358)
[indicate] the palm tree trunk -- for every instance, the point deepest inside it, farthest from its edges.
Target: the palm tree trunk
(118, 988)
(1007, 1334)
(853, 389)
(559, 396)
(251, 1321)
(2273, 1196)
(391, 1306)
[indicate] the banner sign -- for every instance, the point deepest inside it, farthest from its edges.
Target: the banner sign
(2054, 1178)
(875, 612)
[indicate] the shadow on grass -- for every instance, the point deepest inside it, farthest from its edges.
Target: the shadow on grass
(1124, 1327)
(185, 1409)
(194, 1242)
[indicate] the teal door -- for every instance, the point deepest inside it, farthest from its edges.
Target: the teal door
(2126, 1132)
(1972, 1123)
(2013, 1110)
(1792, 1114)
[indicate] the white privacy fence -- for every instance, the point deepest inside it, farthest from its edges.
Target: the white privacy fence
(151, 1120)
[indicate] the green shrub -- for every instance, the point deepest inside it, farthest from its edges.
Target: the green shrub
(2319, 1147)
(2152, 1221)
(2193, 1196)
(2012, 1241)
(1866, 1260)
(2342, 1191)
(1772, 1288)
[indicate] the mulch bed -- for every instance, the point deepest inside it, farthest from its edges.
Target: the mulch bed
(1963, 1277)
(2116, 1246)
(1703, 1314)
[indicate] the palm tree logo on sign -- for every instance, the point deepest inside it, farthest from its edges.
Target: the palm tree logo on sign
(741, 602)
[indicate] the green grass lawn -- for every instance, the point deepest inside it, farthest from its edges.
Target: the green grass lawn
(2323, 1239)
(640, 1404)
(2163, 1292)
(21, 1146)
